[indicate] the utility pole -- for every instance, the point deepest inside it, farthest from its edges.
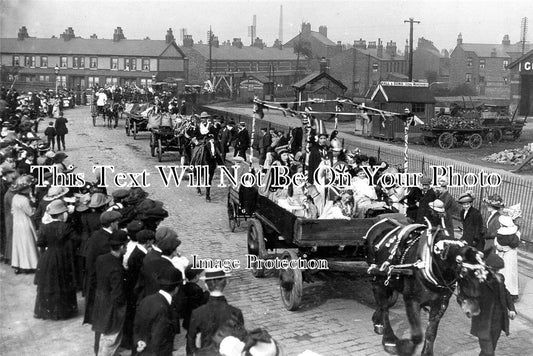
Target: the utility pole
(411, 21)
(210, 36)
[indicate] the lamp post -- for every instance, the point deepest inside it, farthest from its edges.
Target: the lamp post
(56, 71)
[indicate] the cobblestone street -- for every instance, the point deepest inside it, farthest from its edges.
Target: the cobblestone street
(335, 318)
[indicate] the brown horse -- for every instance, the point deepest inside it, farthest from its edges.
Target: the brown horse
(424, 267)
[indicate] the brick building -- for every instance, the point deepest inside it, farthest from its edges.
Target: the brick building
(484, 66)
(429, 63)
(75, 62)
(232, 63)
(522, 83)
(317, 43)
(363, 67)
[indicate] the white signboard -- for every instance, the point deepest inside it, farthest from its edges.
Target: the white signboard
(404, 84)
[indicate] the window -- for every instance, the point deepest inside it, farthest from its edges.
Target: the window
(78, 62)
(16, 61)
(418, 107)
(505, 80)
(481, 79)
(63, 62)
(44, 62)
(111, 80)
(62, 81)
(133, 64)
(93, 81)
(127, 65)
(146, 82)
(33, 61)
(44, 78)
(505, 64)
(146, 64)
(114, 63)
(26, 61)
(469, 62)
(482, 63)
(94, 63)
(468, 77)
(375, 67)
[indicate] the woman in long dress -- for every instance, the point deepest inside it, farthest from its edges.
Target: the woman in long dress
(55, 277)
(24, 251)
(506, 242)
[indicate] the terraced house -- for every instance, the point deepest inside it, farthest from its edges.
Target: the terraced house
(79, 63)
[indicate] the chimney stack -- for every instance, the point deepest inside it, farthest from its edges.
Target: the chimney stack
(169, 38)
(406, 50)
(258, 43)
(324, 65)
(506, 41)
(237, 43)
(23, 33)
(277, 44)
(118, 35)
(391, 49)
(371, 44)
(459, 39)
(188, 41)
(306, 27)
(94, 36)
(215, 42)
(360, 44)
(323, 30)
(68, 34)
(380, 49)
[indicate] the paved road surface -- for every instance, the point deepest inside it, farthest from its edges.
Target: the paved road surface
(336, 311)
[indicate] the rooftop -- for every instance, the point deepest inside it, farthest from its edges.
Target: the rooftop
(229, 53)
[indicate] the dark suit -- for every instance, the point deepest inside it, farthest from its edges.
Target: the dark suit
(154, 326)
(151, 255)
(494, 303)
(264, 144)
(110, 300)
(61, 131)
(412, 198)
(490, 230)
(226, 139)
(242, 143)
(97, 245)
(191, 297)
(147, 283)
(208, 318)
(472, 228)
(423, 205)
(135, 262)
(451, 207)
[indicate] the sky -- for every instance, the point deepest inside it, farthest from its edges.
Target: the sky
(441, 21)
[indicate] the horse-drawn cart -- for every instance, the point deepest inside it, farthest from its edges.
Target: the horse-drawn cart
(308, 245)
(135, 120)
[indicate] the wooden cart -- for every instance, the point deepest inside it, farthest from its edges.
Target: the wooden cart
(340, 243)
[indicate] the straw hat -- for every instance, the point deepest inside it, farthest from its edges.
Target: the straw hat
(56, 207)
(508, 226)
(437, 205)
(55, 192)
(99, 199)
(494, 200)
(214, 273)
(465, 198)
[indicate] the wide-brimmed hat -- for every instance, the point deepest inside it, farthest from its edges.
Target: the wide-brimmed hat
(137, 194)
(214, 273)
(55, 192)
(99, 199)
(169, 277)
(151, 209)
(118, 238)
(56, 207)
(282, 149)
(508, 226)
(23, 183)
(465, 198)
(43, 147)
(494, 200)
(50, 154)
(437, 205)
(83, 202)
(204, 115)
(60, 157)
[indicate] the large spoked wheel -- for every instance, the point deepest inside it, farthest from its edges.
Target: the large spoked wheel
(152, 144)
(475, 141)
(291, 284)
(134, 130)
(159, 150)
(256, 246)
(232, 215)
(128, 127)
(446, 140)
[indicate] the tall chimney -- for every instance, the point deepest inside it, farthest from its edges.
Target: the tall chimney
(169, 38)
(324, 65)
(323, 30)
(23, 33)
(188, 41)
(306, 27)
(406, 50)
(280, 35)
(506, 41)
(459, 39)
(118, 35)
(380, 48)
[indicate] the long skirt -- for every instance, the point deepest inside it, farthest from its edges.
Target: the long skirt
(25, 254)
(510, 270)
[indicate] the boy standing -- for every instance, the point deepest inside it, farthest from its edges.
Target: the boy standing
(50, 134)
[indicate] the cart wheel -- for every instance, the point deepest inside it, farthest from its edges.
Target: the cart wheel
(290, 283)
(128, 128)
(475, 141)
(159, 150)
(134, 130)
(446, 140)
(232, 215)
(497, 135)
(256, 245)
(152, 144)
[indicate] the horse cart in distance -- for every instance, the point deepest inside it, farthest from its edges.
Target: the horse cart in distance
(164, 135)
(333, 244)
(136, 119)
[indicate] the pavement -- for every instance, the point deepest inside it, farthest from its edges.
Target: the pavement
(335, 316)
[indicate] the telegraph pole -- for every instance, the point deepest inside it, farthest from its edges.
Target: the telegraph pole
(210, 36)
(411, 22)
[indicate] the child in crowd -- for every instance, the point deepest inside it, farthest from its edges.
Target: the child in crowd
(50, 134)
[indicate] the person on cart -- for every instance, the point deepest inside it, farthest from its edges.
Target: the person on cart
(101, 101)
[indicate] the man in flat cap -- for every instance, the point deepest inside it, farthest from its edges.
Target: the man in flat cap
(97, 245)
(428, 195)
(227, 135)
(450, 205)
(154, 329)
(110, 301)
(213, 316)
(472, 222)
